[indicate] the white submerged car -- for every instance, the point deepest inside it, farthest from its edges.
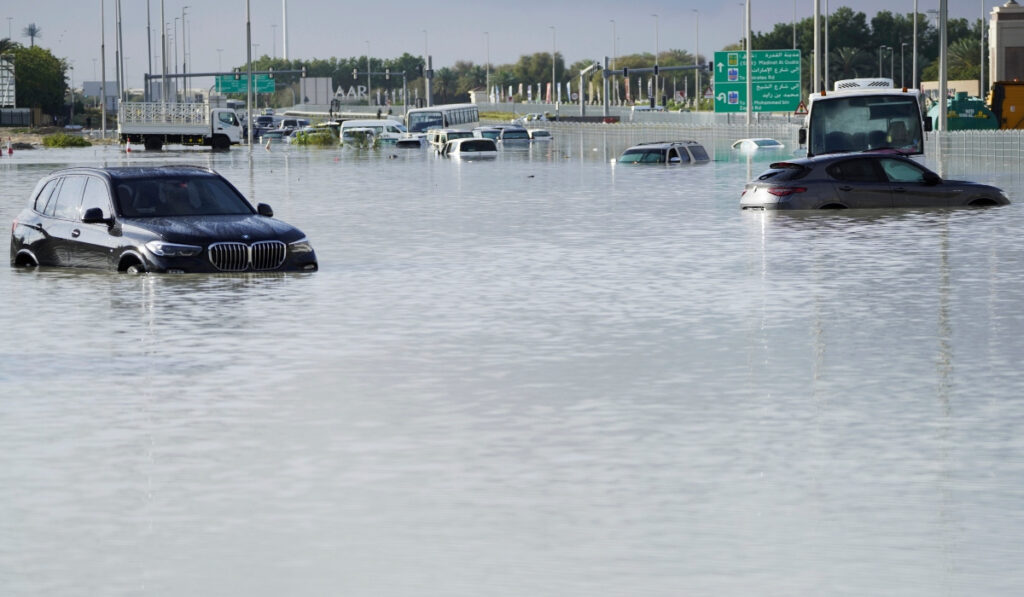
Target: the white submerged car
(757, 144)
(470, 148)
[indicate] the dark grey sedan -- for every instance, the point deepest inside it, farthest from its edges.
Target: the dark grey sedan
(861, 180)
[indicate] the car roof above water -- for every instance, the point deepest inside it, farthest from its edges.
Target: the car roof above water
(135, 172)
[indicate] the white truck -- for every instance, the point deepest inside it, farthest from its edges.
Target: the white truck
(865, 115)
(155, 123)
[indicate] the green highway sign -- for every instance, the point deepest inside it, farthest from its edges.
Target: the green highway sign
(229, 84)
(775, 81)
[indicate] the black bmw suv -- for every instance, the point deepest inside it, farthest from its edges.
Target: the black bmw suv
(153, 219)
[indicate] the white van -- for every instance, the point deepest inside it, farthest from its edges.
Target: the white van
(385, 130)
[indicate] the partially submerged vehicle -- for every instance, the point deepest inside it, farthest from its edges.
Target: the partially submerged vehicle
(470, 148)
(874, 180)
(666, 152)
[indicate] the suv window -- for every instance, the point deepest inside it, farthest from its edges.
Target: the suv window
(900, 171)
(69, 197)
(699, 153)
(44, 196)
(96, 195)
(858, 170)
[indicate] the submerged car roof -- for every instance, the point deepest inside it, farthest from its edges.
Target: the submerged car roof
(666, 144)
(135, 172)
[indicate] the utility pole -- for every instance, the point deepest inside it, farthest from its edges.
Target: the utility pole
(103, 70)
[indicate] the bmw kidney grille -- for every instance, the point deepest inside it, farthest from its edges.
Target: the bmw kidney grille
(240, 257)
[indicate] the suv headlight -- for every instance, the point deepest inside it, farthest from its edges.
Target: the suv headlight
(165, 249)
(300, 246)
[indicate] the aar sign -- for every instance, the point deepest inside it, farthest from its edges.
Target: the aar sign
(775, 81)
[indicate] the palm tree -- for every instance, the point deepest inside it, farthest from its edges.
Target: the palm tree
(7, 46)
(849, 63)
(32, 32)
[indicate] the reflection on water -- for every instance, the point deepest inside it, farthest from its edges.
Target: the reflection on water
(540, 374)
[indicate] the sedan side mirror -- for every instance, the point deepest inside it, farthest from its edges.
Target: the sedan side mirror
(802, 136)
(931, 178)
(265, 210)
(94, 215)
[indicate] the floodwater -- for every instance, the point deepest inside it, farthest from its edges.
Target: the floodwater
(543, 374)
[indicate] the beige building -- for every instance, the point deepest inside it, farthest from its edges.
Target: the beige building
(1006, 42)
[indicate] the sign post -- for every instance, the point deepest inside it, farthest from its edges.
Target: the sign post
(775, 81)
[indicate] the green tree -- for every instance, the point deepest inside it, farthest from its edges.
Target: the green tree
(849, 63)
(7, 46)
(32, 32)
(963, 61)
(39, 79)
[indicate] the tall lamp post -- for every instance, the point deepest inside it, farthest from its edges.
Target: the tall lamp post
(881, 49)
(696, 53)
(552, 27)
(615, 51)
(903, 48)
(487, 73)
(657, 50)
(369, 88)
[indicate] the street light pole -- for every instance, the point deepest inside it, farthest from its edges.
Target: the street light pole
(903, 47)
(273, 40)
(913, 76)
(696, 53)
(369, 86)
(552, 98)
(880, 49)
(657, 50)
(487, 73)
(615, 50)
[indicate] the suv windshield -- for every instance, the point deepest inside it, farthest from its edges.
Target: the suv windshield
(178, 196)
(643, 156)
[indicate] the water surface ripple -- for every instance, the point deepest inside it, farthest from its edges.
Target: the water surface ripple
(540, 375)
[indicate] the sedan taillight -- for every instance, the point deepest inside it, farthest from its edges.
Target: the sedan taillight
(785, 191)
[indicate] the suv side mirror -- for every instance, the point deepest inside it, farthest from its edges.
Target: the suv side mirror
(94, 215)
(927, 124)
(265, 210)
(802, 136)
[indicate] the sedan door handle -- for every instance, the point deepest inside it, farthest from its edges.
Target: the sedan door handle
(846, 188)
(75, 233)
(899, 190)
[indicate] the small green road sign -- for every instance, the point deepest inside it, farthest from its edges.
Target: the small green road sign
(229, 84)
(775, 81)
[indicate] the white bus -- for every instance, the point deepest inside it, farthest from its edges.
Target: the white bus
(446, 116)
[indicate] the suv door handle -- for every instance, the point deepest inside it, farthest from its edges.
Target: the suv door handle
(75, 233)
(846, 188)
(899, 190)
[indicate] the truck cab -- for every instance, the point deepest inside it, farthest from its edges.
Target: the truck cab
(864, 115)
(225, 122)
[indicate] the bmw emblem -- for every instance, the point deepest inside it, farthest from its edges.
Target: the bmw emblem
(245, 237)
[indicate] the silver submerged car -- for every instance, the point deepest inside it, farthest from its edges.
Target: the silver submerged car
(861, 180)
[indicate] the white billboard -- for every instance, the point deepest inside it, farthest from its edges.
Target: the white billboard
(315, 90)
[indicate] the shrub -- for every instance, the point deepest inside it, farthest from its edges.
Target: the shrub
(65, 140)
(316, 139)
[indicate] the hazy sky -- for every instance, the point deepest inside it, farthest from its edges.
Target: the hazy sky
(455, 30)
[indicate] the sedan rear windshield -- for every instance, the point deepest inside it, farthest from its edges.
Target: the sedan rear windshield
(178, 196)
(781, 171)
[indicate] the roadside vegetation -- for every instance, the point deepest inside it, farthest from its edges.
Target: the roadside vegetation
(316, 139)
(65, 140)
